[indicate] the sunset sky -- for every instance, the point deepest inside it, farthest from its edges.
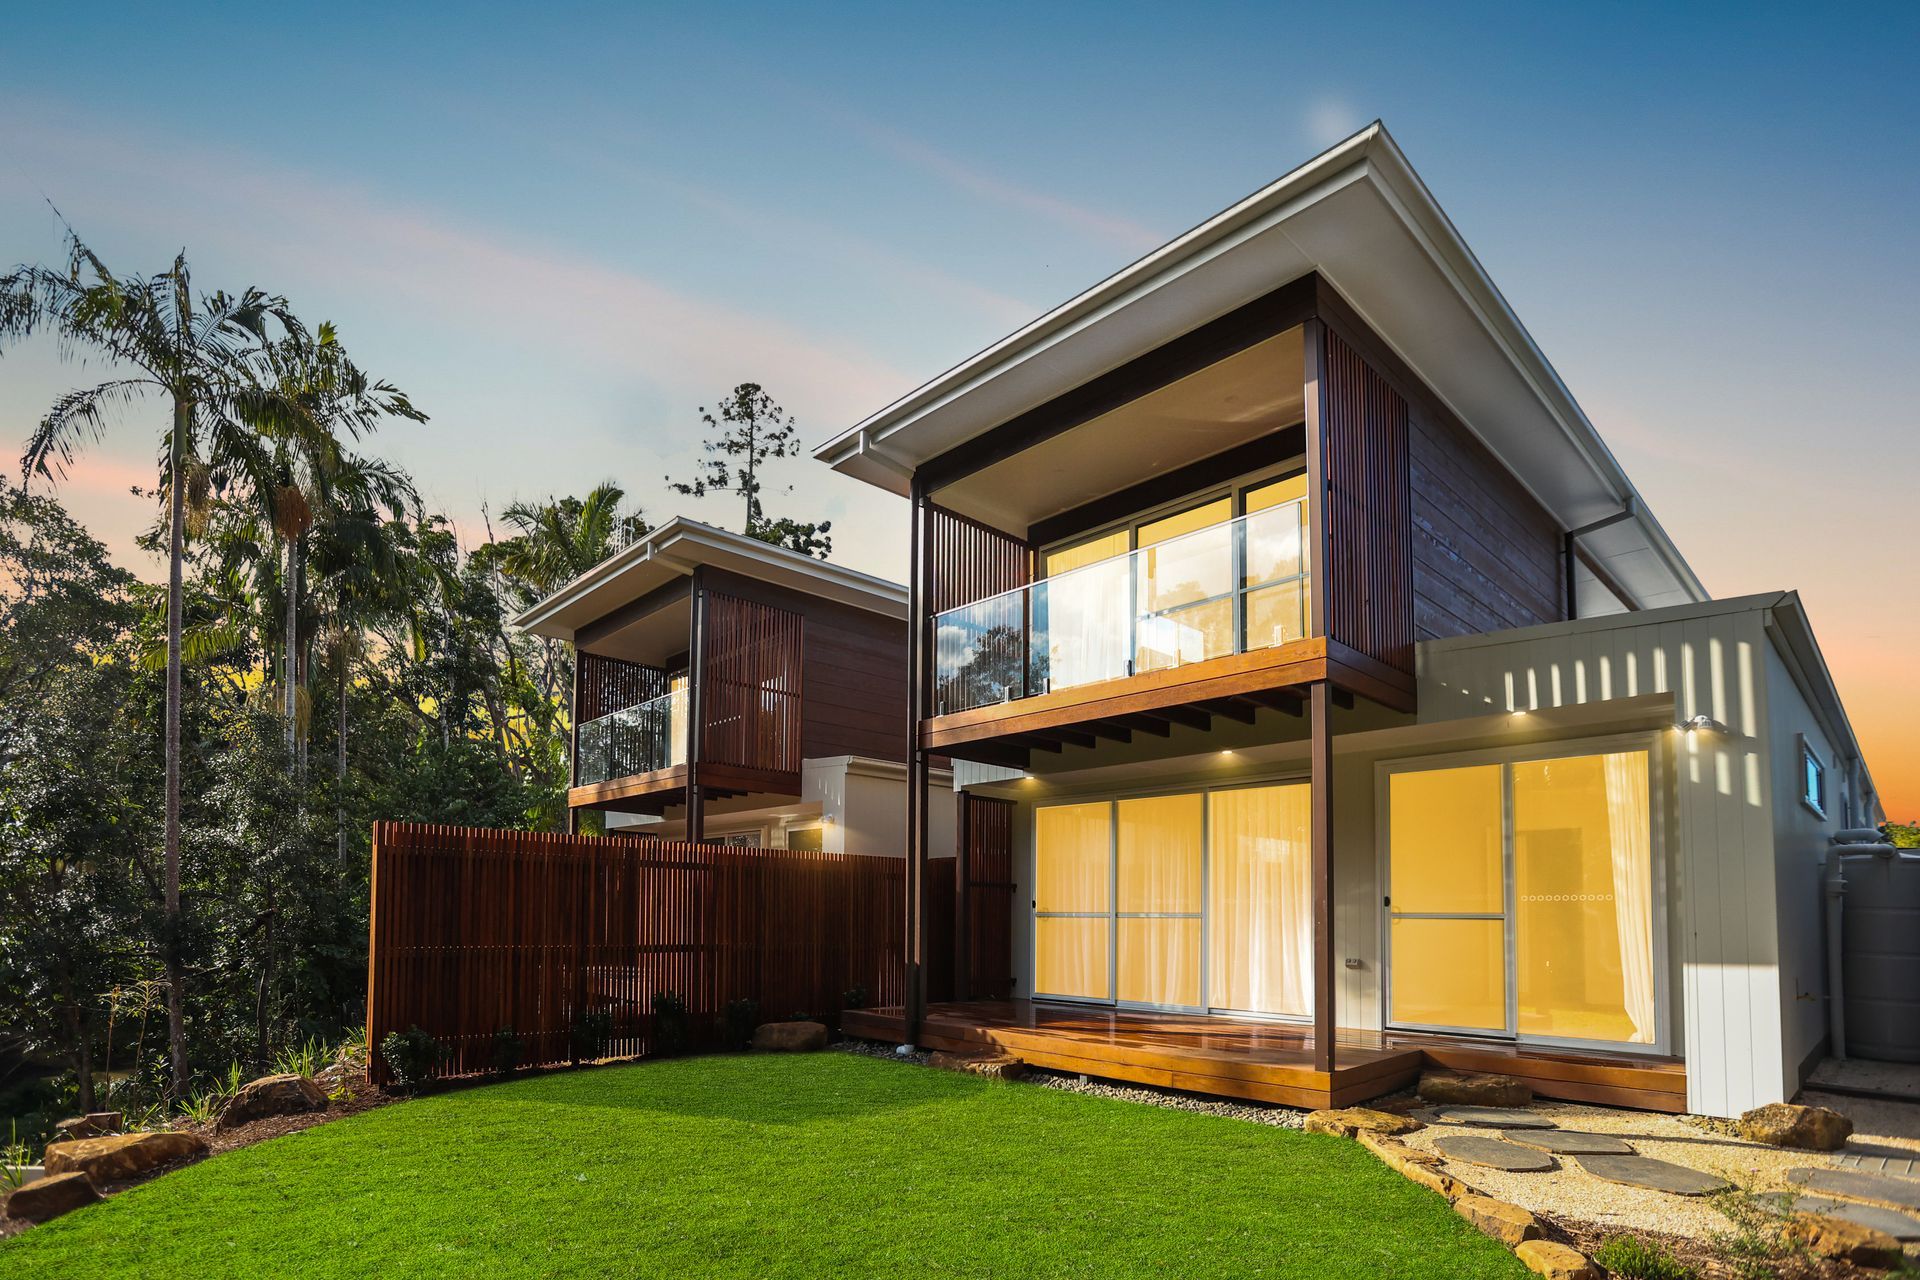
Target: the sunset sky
(564, 232)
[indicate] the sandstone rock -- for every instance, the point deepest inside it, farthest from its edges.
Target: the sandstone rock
(1784, 1124)
(1507, 1223)
(1350, 1121)
(1848, 1241)
(994, 1066)
(790, 1037)
(279, 1095)
(1420, 1167)
(1555, 1261)
(124, 1156)
(51, 1196)
(95, 1124)
(1475, 1090)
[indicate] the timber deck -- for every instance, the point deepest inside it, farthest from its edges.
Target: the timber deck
(1264, 1061)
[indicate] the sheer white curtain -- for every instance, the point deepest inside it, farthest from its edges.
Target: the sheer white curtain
(1260, 922)
(1629, 821)
(1089, 616)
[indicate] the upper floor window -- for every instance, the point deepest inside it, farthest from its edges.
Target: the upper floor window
(1813, 779)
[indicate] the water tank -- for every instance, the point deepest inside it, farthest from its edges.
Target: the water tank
(1880, 932)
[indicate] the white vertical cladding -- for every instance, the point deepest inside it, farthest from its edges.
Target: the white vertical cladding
(1801, 838)
(1722, 918)
(1357, 896)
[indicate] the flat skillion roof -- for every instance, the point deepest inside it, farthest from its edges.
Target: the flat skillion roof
(679, 546)
(1361, 217)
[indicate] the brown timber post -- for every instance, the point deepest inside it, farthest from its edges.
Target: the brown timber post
(696, 709)
(1319, 581)
(916, 869)
(573, 740)
(962, 898)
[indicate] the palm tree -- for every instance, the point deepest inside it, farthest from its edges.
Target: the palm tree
(204, 358)
(556, 542)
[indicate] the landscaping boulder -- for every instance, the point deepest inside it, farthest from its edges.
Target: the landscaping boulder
(1785, 1124)
(1474, 1090)
(1350, 1121)
(994, 1066)
(124, 1156)
(1830, 1237)
(1555, 1261)
(789, 1037)
(95, 1124)
(280, 1095)
(50, 1197)
(1507, 1223)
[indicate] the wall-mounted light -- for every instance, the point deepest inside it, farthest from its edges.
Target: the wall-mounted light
(1703, 724)
(1225, 752)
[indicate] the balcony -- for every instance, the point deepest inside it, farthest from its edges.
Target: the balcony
(635, 740)
(1234, 587)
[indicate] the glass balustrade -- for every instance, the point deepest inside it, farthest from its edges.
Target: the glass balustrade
(1227, 588)
(638, 739)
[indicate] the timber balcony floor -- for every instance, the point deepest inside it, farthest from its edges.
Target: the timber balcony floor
(1263, 1061)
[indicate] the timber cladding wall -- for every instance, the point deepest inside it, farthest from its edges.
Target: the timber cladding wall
(473, 931)
(1486, 555)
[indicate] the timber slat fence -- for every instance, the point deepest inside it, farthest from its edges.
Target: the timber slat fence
(477, 930)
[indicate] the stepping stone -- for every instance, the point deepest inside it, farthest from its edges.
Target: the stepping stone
(1895, 1166)
(1492, 1153)
(1903, 1227)
(1493, 1117)
(1851, 1184)
(1571, 1142)
(1654, 1175)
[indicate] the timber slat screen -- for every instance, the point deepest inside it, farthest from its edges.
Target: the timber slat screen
(474, 931)
(750, 691)
(611, 684)
(983, 908)
(969, 561)
(1369, 589)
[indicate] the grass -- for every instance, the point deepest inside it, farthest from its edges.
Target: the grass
(805, 1165)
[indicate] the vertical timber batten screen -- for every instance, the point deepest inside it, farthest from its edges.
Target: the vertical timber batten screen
(969, 561)
(475, 930)
(750, 691)
(1370, 589)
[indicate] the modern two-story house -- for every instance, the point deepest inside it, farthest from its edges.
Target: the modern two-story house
(1342, 708)
(730, 690)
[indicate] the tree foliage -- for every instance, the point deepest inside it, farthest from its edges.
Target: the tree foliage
(746, 432)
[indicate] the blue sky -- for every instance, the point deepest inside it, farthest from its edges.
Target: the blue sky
(562, 230)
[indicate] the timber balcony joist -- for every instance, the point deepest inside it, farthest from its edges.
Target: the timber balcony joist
(1239, 687)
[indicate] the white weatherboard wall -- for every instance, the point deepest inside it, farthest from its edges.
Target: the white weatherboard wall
(1724, 906)
(863, 803)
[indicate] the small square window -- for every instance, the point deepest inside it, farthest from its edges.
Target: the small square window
(1813, 780)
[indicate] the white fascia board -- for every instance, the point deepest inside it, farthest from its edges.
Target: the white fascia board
(681, 545)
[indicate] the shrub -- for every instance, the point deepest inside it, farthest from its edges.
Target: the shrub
(854, 998)
(301, 1059)
(508, 1049)
(740, 1018)
(671, 1033)
(411, 1056)
(591, 1032)
(1631, 1258)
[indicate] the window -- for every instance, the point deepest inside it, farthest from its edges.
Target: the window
(807, 839)
(1521, 898)
(1813, 779)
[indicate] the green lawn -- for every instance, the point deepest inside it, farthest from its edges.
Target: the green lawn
(816, 1165)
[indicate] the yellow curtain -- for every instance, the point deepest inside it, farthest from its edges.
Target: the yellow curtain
(1159, 865)
(1630, 822)
(1072, 873)
(1260, 921)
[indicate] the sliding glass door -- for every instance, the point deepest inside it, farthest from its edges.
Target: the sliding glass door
(1197, 900)
(1520, 898)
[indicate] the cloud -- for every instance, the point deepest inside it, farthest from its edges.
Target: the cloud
(1117, 230)
(802, 234)
(462, 277)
